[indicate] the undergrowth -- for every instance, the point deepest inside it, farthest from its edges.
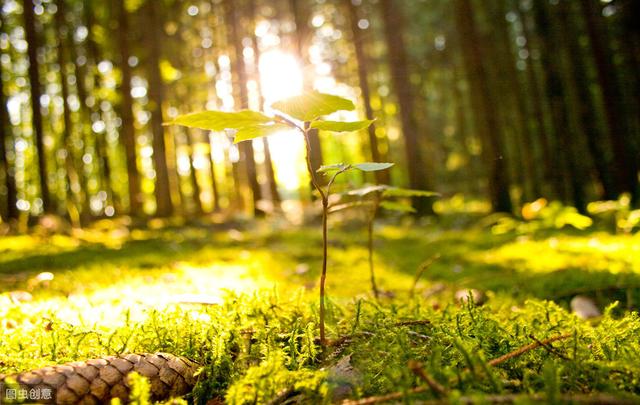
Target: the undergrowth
(263, 346)
(255, 347)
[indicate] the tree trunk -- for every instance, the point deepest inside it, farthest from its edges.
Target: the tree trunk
(362, 60)
(193, 175)
(268, 162)
(36, 92)
(242, 96)
(526, 141)
(11, 210)
(585, 107)
(102, 158)
(301, 19)
(156, 99)
(212, 174)
(551, 54)
(127, 131)
(625, 158)
(75, 195)
(418, 178)
(544, 133)
(486, 120)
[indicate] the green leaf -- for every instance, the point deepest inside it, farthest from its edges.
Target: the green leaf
(348, 205)
(372, 166)
(339, 126)
(311, 105)
(221, 120)
(361, 192)
(407, 192)
(333, 167)
(396, 206)
(246, 133)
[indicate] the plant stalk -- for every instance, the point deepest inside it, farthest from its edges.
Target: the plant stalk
(325, 213)
(370, 221)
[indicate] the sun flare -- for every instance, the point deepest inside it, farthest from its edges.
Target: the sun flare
(281, 77)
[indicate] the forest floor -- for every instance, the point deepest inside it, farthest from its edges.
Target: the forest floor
(198, 289)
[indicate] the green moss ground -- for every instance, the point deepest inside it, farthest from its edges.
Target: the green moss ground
(118, 289)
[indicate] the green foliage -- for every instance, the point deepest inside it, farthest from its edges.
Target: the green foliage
(255, 345)
(365, 167)
(339, 126)
(221, 120)
(312, 105)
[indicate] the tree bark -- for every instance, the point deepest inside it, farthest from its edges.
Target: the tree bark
(362, 60)
(11, 210)
(36, 92)
(486, 120)
(526, 141)
(242, 96)
(193, 175)
(418, 177)
(626, 160)
(300, 18)
(75, 195)
(102, 158)
(551, 54)
(586, 110)
(128, 132)
(156, 98)
(543, 132)
(268, 162)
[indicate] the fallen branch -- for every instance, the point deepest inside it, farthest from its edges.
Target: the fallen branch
(527, 348)
(549, 348)
(436, 387)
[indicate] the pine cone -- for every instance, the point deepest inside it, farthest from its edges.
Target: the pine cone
(97, 381)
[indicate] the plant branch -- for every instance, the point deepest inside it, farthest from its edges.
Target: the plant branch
(527, 348)
(436, 387)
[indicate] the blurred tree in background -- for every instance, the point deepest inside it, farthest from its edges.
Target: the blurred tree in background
(508, 101)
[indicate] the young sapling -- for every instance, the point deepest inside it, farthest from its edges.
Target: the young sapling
(376, 197)
(302, 113)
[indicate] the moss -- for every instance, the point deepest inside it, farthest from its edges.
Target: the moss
(259, 339)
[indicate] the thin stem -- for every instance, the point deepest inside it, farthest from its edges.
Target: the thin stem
(371, 219)
(325, 214)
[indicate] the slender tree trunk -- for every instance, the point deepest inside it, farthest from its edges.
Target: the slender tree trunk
(240, 86)
(301, 19)
(586, 110)
(362, 60)
(193, 175)
(84, 124)
(127, 131)
(75, 194)
(543, 133)
(36, 115)
(11, 211)
(102, 157)
(268, 162)
(418, 178)
(212, 174)
(626, 159)
(556, 93)
(526, 141)
(156, 99)
(486, 120)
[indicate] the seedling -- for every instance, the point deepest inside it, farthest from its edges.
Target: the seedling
(302, 113)
(376, 197)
